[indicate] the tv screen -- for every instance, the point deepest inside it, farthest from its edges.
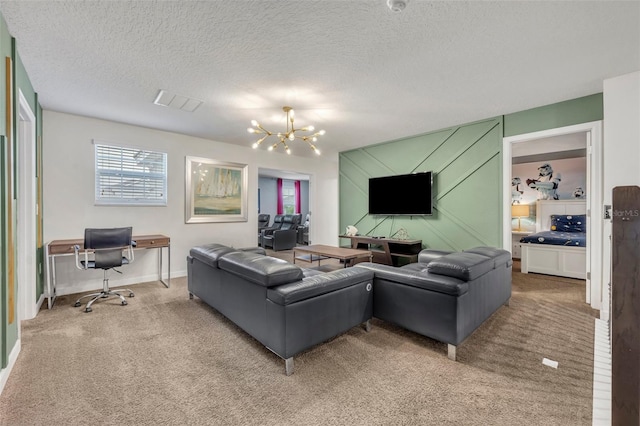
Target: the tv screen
(409, 194)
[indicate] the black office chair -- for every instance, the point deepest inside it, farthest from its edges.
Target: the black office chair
(106, 246)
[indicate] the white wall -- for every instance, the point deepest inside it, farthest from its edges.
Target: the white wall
(621, 99)
(69, 195)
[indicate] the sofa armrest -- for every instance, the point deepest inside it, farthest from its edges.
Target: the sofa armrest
(317, 285)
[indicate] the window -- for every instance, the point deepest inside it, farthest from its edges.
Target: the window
(130, 176)
(288, 197)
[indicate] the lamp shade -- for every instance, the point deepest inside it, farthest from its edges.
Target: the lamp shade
(519, 210)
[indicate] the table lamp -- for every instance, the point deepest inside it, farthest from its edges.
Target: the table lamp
(519, 211)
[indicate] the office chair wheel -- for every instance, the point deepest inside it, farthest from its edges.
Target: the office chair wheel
(88, 309)
(77, 305)
(124, 302)
(132, 295)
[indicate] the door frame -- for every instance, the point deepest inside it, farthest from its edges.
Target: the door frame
(593, 130)
(27, 248)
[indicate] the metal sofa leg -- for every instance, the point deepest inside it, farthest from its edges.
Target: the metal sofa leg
(288, 366)
(367, 326)
(451, 352)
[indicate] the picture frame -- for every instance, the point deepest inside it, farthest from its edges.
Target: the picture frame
(216, 191)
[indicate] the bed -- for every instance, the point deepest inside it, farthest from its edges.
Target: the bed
(558, 247)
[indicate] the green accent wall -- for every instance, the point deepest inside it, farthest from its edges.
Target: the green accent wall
(467, 200)
(6, 342)
(562, 114)
(21, 82)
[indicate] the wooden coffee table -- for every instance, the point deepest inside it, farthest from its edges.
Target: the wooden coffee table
(323, 252)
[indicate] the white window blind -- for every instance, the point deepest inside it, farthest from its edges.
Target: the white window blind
(129, 176)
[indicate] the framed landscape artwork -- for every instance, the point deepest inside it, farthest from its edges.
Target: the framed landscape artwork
(216, 191)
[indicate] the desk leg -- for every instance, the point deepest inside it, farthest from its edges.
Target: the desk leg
(48, 275)
(168, 282)
(51, 278)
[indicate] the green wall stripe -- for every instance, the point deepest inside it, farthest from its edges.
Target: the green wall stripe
(462, 178)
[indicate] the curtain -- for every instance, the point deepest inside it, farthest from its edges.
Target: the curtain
(298, 204)
(280, 200)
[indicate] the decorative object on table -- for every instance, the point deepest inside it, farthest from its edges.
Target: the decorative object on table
(351, 231)
(519, 211)
(216, 191)
(289, 136)
(401, 234)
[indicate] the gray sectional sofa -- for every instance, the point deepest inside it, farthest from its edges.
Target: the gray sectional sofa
(445, 296)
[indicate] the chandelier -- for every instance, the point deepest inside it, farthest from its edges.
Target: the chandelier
(290, 135)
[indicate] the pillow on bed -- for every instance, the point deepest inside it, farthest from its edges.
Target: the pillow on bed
(569, 223)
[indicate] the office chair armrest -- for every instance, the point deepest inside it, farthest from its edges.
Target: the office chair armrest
(76, 250)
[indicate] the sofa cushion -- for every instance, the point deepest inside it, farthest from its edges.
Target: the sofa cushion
(317, 285)
(500, 256)
(210, 253)
(263, 270)
(465, 266)
(417, 275)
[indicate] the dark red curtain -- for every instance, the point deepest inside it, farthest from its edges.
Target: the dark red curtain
(280, 200)
(298, 205)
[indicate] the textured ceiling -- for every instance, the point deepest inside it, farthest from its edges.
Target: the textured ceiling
(352, 67)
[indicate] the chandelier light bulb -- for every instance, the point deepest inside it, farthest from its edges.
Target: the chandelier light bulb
(314, 139)
(310, 128)
(251, 130)
(292, 136)
(321, 132)
(288, 151)
(270, 148)
(254, 123)
(255, 145)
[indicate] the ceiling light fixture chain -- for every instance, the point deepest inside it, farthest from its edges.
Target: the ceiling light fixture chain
(290, 134)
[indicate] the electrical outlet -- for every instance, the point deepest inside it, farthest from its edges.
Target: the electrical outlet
(607, 211)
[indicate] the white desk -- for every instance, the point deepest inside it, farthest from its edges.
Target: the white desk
(57, 248)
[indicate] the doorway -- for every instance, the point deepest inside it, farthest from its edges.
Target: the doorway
(268, 198)
(26, 211)
(593, 139)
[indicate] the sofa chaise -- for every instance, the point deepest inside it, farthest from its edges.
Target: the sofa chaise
(446, 295)
(284, 307)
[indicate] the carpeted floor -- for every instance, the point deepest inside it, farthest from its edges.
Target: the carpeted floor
(168, 360)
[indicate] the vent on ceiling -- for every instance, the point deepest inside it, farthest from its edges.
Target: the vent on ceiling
(172, 100)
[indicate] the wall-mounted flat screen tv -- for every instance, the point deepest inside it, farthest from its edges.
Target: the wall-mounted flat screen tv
(409, 194)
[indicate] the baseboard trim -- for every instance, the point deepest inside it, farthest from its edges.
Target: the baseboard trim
(601, 414)
(81, 287)
(13, 357)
